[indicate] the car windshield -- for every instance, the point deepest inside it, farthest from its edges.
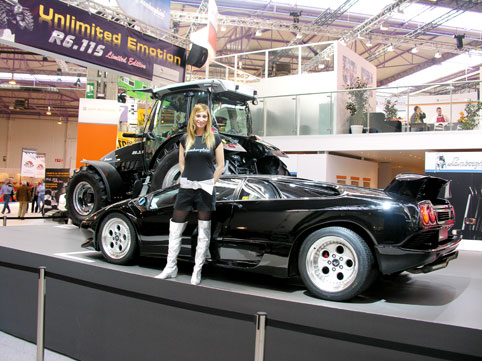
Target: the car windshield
(231, 116)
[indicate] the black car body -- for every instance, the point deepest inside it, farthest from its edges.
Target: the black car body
(337, 237)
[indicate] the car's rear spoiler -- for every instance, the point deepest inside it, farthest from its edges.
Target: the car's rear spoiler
(417, 187)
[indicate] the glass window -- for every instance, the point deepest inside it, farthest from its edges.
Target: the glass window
(170, 114)
(163, 199)
(231, 116)
(309, 190)
(258, 189)
(225, 189)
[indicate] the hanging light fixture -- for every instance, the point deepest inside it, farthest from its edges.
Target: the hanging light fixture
(415, 50)
(390, 47)
(258, 33)
(12, 81)
(437, 55)
(48, 111)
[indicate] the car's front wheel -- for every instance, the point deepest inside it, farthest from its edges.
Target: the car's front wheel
(117, 239)
(335, 263)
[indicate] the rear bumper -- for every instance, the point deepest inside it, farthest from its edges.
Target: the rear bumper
(393, 259)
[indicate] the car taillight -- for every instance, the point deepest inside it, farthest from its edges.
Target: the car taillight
(431, 214)
(427, 214)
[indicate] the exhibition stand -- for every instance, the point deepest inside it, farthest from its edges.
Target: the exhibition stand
(98, 311)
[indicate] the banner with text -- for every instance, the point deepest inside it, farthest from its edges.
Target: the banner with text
(464, 162)
(153, 12)
(40, 166)
(56, 27)
(55, 181)
(29, 159)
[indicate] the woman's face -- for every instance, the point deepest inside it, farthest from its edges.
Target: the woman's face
(201, 119)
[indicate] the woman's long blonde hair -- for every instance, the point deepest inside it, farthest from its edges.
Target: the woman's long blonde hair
(208, 136)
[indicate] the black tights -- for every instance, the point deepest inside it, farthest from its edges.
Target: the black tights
(179, 216)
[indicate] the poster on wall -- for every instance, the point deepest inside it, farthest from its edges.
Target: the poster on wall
(29, 160)
(40, 166)
(348, 71)
(55, 181)
(464, 171)
(60, 28)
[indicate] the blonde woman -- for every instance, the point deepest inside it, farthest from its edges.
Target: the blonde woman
(199, 149)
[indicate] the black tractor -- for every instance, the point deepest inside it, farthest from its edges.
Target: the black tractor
(152, 162)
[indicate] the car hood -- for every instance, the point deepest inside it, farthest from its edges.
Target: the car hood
(417, 187)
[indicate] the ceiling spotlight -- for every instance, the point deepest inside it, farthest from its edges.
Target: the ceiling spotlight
(390, 47)
(415, 50)
(223, 27)
(59, 122)
(437, 55)
(48, 111)
(383, 27)
(258, 33)
(77, 82)
(369, 43)
(12, 81)
(299, 36)
(460, 42)
(321, 66)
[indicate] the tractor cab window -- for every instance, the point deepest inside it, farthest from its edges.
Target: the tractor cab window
(171, 114)
(230, 116)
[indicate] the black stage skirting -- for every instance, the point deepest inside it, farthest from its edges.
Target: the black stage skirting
(98, 311)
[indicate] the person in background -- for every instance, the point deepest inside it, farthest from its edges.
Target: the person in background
(34, 199)
(24, 194)
(198, 149)
(418, 115)
(40, 196)
(439, 117)
(7, 192)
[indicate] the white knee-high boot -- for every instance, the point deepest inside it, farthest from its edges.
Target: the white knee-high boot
(203, 238)
(175, 238)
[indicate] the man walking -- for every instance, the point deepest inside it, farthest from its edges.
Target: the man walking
(23, 197)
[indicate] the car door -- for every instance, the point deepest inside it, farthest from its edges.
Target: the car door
(154, 223)
(254, 222)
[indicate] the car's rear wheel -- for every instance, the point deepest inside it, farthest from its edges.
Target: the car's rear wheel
(117, 239)
(335, 263)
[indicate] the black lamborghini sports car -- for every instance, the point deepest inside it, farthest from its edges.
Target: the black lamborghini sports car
(336, 237)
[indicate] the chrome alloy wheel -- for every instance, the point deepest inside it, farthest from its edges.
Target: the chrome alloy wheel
(116, 238)
(83, 198)
(332, 264)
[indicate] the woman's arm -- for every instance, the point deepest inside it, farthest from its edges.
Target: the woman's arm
(219, 162)
(181, 158)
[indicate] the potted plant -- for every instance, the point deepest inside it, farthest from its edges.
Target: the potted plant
(471, 121)
(357, 105)
(391, 111)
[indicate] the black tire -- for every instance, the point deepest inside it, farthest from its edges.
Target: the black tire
(86, 194)
(335, 264)
(167, 171)
(117, 239)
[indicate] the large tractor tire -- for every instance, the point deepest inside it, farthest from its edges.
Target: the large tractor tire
(167, 172)
(86, 193)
